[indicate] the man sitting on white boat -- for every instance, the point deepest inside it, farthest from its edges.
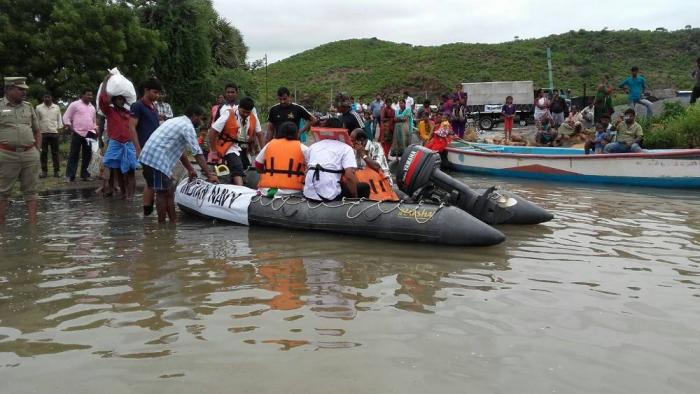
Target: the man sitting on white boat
(629, 135)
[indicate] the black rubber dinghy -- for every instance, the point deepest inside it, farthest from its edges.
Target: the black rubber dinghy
(407, 222)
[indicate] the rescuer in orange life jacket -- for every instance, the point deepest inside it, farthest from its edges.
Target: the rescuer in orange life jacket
(230, 136)
(282, 162)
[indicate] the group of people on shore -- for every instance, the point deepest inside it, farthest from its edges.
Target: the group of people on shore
(144, 134)
(558, 124)
(398, 122)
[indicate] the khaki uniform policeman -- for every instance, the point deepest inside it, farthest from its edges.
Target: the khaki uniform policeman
(19, 142)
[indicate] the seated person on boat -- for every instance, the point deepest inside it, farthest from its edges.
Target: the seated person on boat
(373, 168)
(628, 135)
(572, 127)
(597, 141)
(600, 136)
(546, 135)
(330, 172)
(588, 120)
(282, 162)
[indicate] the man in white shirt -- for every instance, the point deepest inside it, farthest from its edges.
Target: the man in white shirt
(330, 172)
(236, 136)
(230, 97)
(369, 153)
(49, 116)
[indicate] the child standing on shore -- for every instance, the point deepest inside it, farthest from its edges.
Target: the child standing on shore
(508, 112)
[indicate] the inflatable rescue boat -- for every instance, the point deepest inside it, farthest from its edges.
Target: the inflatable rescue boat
(433, 207)
(387, 220)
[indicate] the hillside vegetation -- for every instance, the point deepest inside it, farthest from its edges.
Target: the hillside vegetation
(363, 67)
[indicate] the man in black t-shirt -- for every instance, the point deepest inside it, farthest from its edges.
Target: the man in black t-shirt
(287, 111)
(350, 119)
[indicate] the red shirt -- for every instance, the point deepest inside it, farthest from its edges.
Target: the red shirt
(117, 120)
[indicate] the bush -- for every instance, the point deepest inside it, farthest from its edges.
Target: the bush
(687, 127)
(679, 128)
(660, 138)
(672, 109)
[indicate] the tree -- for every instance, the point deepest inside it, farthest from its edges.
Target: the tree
(68, 45)
(199, 46)
(88, 37)
(227, 44)
(256, 64)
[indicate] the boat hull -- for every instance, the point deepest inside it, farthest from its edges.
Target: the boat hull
(667, 169)
(399, 221)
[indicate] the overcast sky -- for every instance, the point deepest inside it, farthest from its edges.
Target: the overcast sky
(283, 28)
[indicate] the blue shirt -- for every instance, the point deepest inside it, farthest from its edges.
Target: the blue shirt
(600, 136)
(168, 142)
(376, 108)
(508, 109)
(148, 120)
(636, 86)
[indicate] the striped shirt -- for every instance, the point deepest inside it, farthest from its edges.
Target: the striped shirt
(164, 109)
(167, 144)
(351, 120)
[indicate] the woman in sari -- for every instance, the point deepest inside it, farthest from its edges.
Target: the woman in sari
(603, 100)
(386, 127)
(402, 128)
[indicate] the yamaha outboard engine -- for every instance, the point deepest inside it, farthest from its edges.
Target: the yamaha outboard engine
(420, 177)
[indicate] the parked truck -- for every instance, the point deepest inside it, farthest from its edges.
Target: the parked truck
(485, 101)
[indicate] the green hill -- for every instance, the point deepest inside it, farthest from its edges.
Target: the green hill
(362, 67)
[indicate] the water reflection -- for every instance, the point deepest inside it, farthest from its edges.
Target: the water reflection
(112, 272)
(615, 270)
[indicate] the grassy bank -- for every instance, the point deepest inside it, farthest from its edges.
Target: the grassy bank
(364, 67)
(677, 127)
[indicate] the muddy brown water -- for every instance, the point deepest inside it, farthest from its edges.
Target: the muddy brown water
(605, 298)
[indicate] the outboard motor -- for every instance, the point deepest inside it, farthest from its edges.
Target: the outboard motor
(420, 177)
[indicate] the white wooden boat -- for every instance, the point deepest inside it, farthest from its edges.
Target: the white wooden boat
(670, 168)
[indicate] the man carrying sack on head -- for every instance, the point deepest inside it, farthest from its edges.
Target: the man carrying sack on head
(20, 139)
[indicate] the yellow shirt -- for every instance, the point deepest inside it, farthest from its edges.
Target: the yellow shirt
(17, 123)
(628, 134)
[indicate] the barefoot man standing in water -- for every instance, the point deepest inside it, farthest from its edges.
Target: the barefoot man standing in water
(162, 151)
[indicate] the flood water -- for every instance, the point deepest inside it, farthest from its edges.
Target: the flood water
(603, 299)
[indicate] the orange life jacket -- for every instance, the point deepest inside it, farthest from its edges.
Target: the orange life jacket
(229, 135)
(284, 165)
(379, 186)
(330, 133)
